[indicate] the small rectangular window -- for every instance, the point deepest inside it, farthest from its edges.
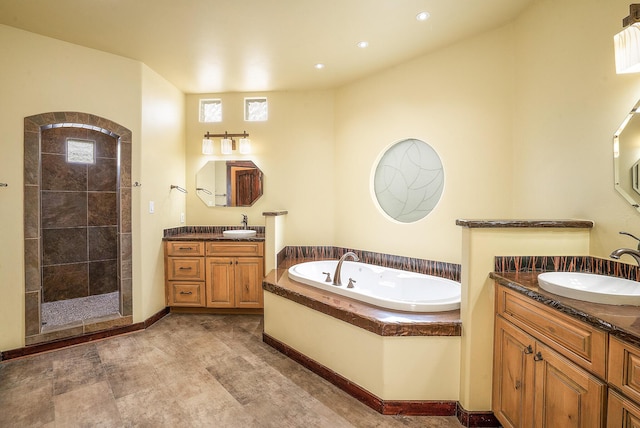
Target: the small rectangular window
(211, 110)
(255, 109)
(81, 151)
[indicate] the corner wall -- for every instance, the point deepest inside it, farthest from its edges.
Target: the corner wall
(568, 104)
(40, 74)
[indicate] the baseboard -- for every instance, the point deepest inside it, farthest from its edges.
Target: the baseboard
(217, 311)
(89, 337)
(476, 419)
(386, 407)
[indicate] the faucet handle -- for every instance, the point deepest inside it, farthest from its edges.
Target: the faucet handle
(328, 278)
(351, 282)
(634, 237)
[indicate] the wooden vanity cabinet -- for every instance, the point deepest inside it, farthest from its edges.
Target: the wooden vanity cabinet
(216, 274)
(545, 366)
(234, 273)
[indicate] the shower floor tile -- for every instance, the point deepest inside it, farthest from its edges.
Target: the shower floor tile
(63, 312)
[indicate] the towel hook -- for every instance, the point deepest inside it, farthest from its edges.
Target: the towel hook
(4, 185)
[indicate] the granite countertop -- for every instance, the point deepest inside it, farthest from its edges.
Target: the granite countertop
(620, 321)
(211, 237)
(384, 322)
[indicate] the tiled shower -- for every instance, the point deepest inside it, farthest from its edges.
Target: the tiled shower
(77, 225)
(79, 214)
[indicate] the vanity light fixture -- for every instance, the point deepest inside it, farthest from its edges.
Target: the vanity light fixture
(207, 147)
(227, 143)
(627, 42)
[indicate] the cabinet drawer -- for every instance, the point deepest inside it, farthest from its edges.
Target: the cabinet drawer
(185, 293)
(624, 367)
(235, 249)
(581, 343)
(184, 248)
(185, 268)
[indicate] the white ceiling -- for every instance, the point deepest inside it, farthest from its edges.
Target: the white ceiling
(260, 45)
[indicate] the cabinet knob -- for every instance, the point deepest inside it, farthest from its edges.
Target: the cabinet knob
(538, 357)
(528, 350)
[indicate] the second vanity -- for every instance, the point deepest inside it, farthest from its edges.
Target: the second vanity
(563, 362)
(209, 270)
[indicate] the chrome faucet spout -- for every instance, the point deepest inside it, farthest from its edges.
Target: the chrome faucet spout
(336, 275)
(245, 221)
(615, 254)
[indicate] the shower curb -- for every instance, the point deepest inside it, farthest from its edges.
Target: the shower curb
(89, 337)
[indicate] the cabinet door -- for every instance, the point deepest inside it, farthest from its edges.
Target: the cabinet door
(248, 282)
(513, 390)
(622, 413)
(565, 395)
(220, 280)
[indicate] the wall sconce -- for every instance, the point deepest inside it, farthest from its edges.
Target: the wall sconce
(627, 43)
(227, 143)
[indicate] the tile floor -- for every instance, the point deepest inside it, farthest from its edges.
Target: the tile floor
(184, 371)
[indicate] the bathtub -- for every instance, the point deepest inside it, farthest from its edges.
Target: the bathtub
(383, 287)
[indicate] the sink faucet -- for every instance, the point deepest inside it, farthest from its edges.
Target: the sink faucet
(615, 254)
(620, 251)
(336, 276)
(245, 221)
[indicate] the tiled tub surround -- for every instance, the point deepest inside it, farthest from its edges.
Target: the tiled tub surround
(35, 184)
(419, 349)
(520, 273)
(426, 267)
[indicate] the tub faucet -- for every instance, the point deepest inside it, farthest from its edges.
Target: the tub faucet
(245, 221)
(336, 275)
(615, 254)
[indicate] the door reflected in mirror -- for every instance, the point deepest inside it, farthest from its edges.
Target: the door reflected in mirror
(229, 183)
(626, 157)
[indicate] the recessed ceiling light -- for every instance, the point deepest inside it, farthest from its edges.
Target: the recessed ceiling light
(422, 16)
(363, 44)
(319, 66)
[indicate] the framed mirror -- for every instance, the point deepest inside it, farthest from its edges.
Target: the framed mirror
(626, 158)
(408, 180)
(229, 183)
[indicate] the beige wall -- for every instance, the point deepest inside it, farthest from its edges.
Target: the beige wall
(40, 75)
(458, 100)
(162, 163)
(569, 102)
(295, 151)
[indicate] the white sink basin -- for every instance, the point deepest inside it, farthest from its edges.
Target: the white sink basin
(591, 287)
(239, 233)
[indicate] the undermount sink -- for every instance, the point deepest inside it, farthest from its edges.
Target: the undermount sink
(242, 233)
(590, 287)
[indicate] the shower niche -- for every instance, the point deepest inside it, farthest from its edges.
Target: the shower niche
(77, 225)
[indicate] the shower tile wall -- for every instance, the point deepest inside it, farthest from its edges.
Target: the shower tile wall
(79, 217)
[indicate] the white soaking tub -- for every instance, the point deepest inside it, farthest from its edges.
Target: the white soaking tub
(383, 287)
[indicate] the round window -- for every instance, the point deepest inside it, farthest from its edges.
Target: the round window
(408, 180)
